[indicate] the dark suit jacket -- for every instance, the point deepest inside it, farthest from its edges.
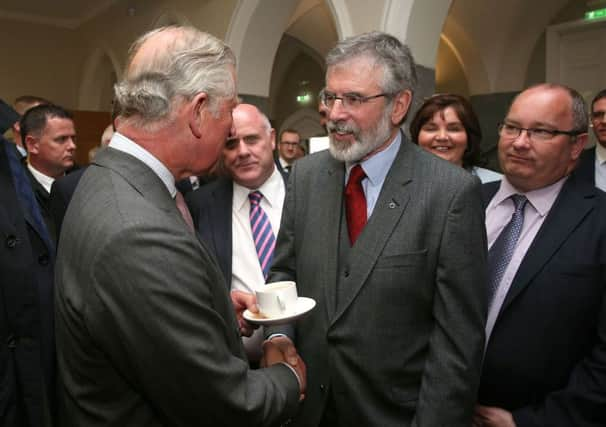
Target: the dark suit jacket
(61, 193)
(404, 345)
(586, 166)
(211, 210)
(27, 353)
(280, 168)
(546, 357)
(146, 332)
(210, 207)
(43, 198)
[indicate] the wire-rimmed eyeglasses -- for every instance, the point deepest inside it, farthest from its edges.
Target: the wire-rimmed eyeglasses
(349, 101)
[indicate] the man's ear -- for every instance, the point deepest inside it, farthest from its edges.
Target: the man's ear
(579, 145)
(401, 104)
(32, 144)
(273, 139)
(198, 108)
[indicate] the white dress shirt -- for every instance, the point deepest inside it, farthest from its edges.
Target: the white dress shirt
(498, 214)
(44, 180)
(600, 167)
(246, 273)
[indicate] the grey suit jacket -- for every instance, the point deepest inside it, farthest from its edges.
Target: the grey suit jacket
(146, 331)
(404, 346)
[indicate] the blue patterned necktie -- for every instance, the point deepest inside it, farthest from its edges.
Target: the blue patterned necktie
(26, 197)
(502, 249)
(262, 233)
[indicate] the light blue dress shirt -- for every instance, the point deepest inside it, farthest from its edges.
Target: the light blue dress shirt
(376, 168)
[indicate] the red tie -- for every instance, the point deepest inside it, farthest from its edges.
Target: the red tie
(355, 203)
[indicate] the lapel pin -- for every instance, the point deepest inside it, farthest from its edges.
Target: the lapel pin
(392, 204)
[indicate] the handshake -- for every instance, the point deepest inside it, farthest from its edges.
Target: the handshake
(277, 349)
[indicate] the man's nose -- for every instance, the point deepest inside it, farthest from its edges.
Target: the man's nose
(337, 111)
(242, 148)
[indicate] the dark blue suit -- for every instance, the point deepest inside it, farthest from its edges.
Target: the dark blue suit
(546, 358)
(60, 196)
(27, 353)
(210, 207)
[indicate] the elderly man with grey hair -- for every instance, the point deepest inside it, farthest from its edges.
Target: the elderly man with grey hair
(146, 331)
(389, 240)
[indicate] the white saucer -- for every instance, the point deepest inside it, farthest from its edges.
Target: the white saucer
(304, 305)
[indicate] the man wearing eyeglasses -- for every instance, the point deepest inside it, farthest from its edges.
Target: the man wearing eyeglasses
(389, 241)
(592, 164)
(545, 357)
(288, 150)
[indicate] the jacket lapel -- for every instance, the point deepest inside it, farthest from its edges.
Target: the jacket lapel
(27, 199)
(391, 204)
(570, 208)
(221, 218)
(329, 211)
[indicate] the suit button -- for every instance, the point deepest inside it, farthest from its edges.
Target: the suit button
(346, 273)
(11, 241)
(322, 388)
(43, 259)
(11, 341)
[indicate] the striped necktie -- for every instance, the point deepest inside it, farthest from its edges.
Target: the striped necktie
(502, 249)
(262, 233)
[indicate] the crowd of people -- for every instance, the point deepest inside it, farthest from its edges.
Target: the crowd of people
(446, 294)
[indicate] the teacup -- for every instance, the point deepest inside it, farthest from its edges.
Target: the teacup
(277, 299)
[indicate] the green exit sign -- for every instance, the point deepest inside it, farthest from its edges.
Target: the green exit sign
(595, 14)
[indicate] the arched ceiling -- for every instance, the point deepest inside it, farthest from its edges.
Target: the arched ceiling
(313, 25)
(495, 39)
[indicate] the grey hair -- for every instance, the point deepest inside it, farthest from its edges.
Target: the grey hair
(188, 63)
(580, 114)
(399, 70)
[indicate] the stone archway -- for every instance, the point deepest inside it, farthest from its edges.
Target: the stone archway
(101, 71)
(306, 121)
(254, 34)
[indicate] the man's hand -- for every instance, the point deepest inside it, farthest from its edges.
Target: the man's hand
(280, 349)
(242, 301)
(487, 416)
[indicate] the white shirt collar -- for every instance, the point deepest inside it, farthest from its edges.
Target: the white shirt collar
(600, 153)
(284, 163)
(121, 143)
(269, 189)
(541, 199)
(44, 180)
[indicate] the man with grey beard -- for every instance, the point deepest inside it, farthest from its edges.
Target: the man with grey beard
(390, 242)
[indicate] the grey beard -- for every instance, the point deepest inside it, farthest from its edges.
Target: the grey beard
(364, 142)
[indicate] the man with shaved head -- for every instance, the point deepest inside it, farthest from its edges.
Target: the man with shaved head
(222, 209)
(147, 334)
